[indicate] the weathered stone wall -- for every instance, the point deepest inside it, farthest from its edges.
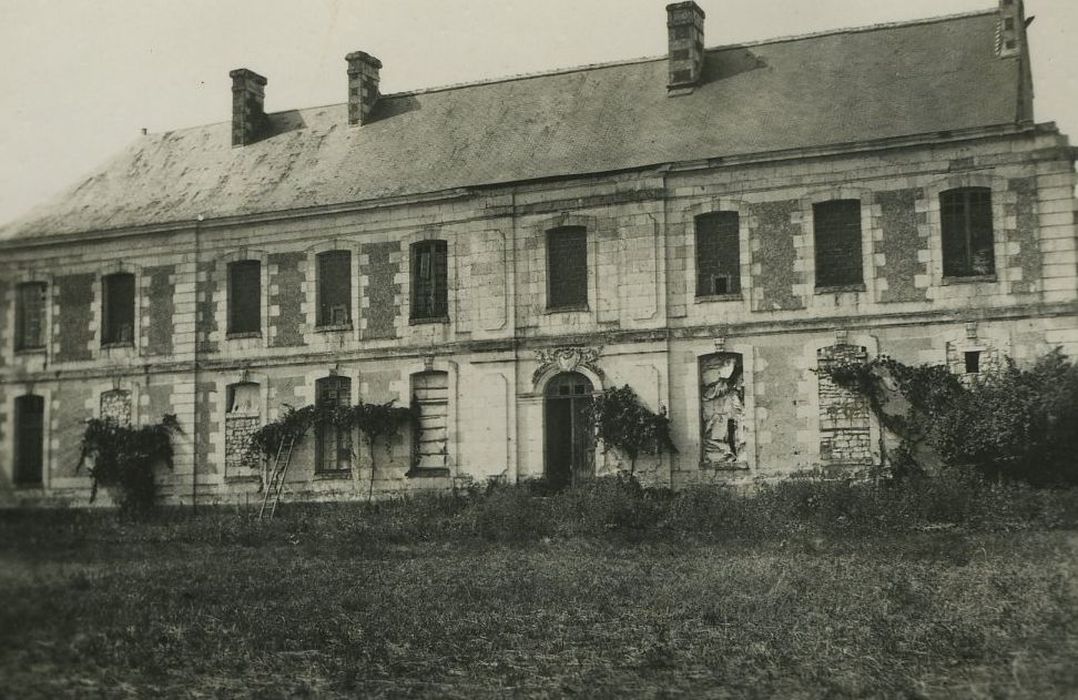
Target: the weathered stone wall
(73, 317)
(158, 307)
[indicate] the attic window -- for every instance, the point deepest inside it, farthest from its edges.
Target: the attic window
(245, 297)
(838, 243)
(334, 288)
(118, 309)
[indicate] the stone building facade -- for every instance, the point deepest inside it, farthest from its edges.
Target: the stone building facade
(710, 227)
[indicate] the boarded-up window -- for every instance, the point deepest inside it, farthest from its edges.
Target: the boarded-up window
(722, 412)
(116, 406)
(966, 217)
(838, 243)
(430, 391)
(29, 440)
(118, 309)
(242, 420)
(334, 288)
(718, 254)
(429, 280)
(245, 297)
(333, 444)
(845, 423)
(30, 316)
(567, 268)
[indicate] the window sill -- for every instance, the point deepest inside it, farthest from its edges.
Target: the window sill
(334, 475)
(969, 279)
(428, 321)
(567, 309)
(243, 479)
(334, 329)
(709, 298)
(245, 334)
(116, 346)
(30, 351)
(428, 473)
(23, 488)
(840, 288)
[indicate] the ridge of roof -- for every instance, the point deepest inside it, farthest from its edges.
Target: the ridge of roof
(626, 62)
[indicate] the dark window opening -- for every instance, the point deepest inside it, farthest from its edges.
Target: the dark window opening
(968, 241)
(29, 440)
(718, 254)
(245, 297)
(30, 311)
(334, 288)
(567, 268)
(430, 273)
(973, 362)
(333, 443)
(838, 243)
(118, 309)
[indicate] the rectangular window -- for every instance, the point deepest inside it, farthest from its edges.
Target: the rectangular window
(29, 440)
(118, 309)
(838, 243)
(30, 303)
(245, 297)
(718, 254)
(430, 294)
(430, 392)
(968, 241)
(335, 288)
(333, 444)
(567, 268)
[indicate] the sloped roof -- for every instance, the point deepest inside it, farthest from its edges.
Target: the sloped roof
(819, 90)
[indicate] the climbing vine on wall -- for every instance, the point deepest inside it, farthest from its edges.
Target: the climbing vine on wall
(122, 459)
(623, 422)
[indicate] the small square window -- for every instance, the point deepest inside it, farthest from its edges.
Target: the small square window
(973, 362)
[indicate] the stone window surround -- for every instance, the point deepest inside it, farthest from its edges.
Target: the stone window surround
(1001, 198)
(7, 328)
(305, 396)
(116, 351)
(242, 341)
(404, 276)
(745, 223)
(219, 410)
(404, 389)
(329, 337)
(870, 232)
(692, 399)
(49, 448)
(539, 259)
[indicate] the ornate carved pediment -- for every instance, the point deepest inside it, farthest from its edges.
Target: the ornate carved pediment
(566, 359)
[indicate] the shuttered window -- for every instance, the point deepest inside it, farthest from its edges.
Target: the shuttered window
(333, 444)
(430, 391)
(718, 254)
(968, 240)
(118, 309)
(429, 280)
(245, 297)
(29, 440)
(334, 288)
(567, 268)
(838, 243)
(30, 316)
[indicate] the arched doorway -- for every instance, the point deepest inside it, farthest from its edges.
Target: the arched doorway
(569, 439)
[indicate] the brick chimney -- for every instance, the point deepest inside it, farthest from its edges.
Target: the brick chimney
(362, 86)
(685, 26)
(1012, 28)
(248, 106)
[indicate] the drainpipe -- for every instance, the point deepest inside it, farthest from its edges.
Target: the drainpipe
(195, 374)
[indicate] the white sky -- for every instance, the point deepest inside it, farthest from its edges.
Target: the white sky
(80, 78)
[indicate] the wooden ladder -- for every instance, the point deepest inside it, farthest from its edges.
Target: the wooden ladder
(276, 481)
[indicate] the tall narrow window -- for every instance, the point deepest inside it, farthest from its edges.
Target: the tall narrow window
(30, 316)
(333, 444)
(429, 280)
(718, 254)
(966, 216)
(29, 440)
(242, 421)
(335, 288)
(245, 297)
(118, 309)
(430, 392)
(838, 243)
(567, 268)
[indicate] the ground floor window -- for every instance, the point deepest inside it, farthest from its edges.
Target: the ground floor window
(333, 444)
(430, 391)
(29, 440)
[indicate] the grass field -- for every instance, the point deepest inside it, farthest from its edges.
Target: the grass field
(218, 606)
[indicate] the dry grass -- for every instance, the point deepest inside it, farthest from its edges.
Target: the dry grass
(211, 608)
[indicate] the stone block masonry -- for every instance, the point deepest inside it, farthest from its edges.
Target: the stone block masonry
(845, 427)
(160, 308)
(286, 298)
(901, 245)
(774, 255)
(72, 326)
(239, 427)
(380, 290)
